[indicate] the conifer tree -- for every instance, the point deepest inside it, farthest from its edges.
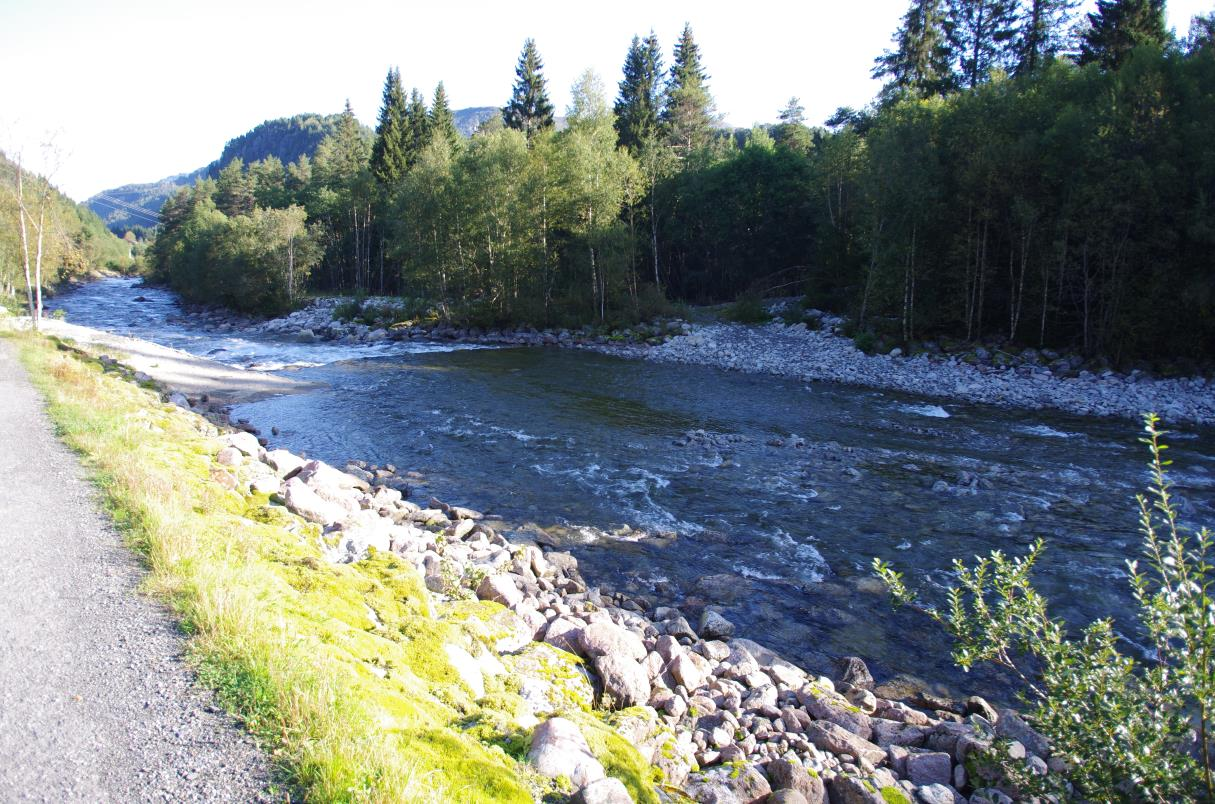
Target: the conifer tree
(1119, 26)
(1043, 33)
(638, 105)
(688, 112)
(418, 127)
(982, 34)
(234, 189)
(920, 62)
(442, 121)
(529, 109)
(388, 153)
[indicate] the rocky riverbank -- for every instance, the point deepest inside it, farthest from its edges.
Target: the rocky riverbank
(812, 353)
(720, 717)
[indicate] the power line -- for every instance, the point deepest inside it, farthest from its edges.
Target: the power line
(127, 205)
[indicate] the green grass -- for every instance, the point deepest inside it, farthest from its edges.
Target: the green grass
(339, 670)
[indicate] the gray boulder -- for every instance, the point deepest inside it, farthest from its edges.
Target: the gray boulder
(625, 682)
(559, 749)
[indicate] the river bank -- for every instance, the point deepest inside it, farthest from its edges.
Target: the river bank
(1032, 380)
(721, 717)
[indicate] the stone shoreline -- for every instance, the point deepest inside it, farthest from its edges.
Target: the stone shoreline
(722, 718)
(817, 353)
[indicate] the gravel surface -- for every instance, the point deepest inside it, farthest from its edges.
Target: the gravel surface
(96, 702)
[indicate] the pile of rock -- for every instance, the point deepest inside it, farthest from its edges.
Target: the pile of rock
(722, 717)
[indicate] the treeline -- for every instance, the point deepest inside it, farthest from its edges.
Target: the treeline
(72, 239)
(1021, 179)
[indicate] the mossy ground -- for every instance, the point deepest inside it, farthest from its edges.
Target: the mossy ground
(339, 669)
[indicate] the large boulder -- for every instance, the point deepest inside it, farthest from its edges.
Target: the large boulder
(604, 791)
(559, 749)
(738, 785)
(283, 462)
(609, 639)
(830, 737)
(301, 499)
(786, 774)
(715, 626)
(245, 442)
(467, 668)
(834, 708)
(625, 682)
(319, 474)
(499, 589)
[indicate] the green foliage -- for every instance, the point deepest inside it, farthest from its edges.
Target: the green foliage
(640, 100)
(1117, 27)
(75, 243)
(688, 110)
(1065, 207)
(388, 153)
(1124, 727)
(256, 262)
(529, 110)
(748, 309)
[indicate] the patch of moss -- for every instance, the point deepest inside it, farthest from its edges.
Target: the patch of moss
(893, 795)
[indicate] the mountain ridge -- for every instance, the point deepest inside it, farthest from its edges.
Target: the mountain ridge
(287, 138)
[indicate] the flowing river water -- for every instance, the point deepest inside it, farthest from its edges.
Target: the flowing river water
(593, 453)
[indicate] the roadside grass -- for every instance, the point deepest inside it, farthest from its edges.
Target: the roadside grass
(339, 670)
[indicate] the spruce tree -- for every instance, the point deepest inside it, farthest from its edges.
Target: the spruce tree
(982, 34)
(688, 112)
(920, 62)
(442, 121)
(529, 109)
(638, 105)
(1043, 33)
(388, 153)
(418, 127)
(1119, 26)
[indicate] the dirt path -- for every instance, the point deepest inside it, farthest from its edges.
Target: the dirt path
(96, 703)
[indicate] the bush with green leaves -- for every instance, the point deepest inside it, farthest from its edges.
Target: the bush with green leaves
(748, 308)
(1129, 730)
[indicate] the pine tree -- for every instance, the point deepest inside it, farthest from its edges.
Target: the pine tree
(1119, 26)
(529, 109)
(1043, 33)
(688, 112)
(234, 189)
(388, 154)
(418, 127)
(638, 104)
(442, 121)
(794, 113)
(920, 62)
(982, 34)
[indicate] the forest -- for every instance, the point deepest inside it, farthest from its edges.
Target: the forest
(1027, 176)
(72, 239)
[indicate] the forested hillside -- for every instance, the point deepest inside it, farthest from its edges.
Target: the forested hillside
(285, 139)
(1019, 179)
(74, 240)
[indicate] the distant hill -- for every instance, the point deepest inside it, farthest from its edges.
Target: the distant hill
(467, 120)
(287, 138)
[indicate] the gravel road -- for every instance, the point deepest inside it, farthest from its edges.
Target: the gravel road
(96, 702)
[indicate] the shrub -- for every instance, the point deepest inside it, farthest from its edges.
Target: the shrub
(350, 309)
(748, 309)
(1125, 727)
(866, 341)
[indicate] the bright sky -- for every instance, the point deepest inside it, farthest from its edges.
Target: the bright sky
(137, 90)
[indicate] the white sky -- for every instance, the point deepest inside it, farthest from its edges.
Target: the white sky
(138, 90)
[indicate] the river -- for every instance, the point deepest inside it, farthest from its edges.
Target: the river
(593, 452)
